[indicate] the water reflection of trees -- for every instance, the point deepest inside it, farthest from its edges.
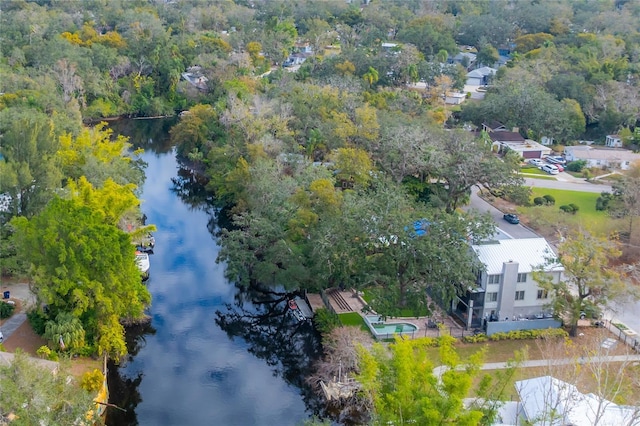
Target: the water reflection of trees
(190, 186)
(123, 390)
(151, 135)
(262, 319)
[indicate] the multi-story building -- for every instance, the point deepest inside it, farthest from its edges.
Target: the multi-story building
(506, 289)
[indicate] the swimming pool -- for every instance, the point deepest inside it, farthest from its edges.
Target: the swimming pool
(381, 329)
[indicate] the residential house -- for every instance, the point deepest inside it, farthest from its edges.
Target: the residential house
(196, 78)
(607, 158)
(480, 76)
(547, 401)
(466, 59)
(493, 126)
(613, 141)
(527, 149)
(506, 290)
(455, 98)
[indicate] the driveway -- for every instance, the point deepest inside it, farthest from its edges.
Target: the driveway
(572, 184)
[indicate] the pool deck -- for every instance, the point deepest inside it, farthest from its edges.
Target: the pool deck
(350, 301)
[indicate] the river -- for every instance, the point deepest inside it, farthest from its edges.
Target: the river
(213, 354)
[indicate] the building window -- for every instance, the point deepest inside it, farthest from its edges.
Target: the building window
(543, 294)
(493, 279)
(492, 297)
(520, 295)
(522, 278)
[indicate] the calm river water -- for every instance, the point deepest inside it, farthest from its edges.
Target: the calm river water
(212, 355)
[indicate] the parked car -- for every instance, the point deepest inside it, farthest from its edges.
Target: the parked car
(512, 218)
(555, 159)
(551, 169)
(536, 162)
(559, 167)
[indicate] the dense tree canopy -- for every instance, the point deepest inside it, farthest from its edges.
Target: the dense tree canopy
(84, 266)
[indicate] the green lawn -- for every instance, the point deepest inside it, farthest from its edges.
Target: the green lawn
(585, 200)
(532, 170)
(367, 295)
(353, 319)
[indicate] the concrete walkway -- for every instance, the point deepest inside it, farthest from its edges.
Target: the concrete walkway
(438, 371)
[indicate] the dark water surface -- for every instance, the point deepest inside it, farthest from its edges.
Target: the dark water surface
(212, 355)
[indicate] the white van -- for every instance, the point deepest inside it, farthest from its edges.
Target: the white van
(551, 169)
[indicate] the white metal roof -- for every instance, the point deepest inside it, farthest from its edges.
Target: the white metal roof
(527, 252)
(550, 401)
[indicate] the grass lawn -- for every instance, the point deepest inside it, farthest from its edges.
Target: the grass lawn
(368, 296)
(544, 176)
(532, 170)
(353, 319)
(586, 201)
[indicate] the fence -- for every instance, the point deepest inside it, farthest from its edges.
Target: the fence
(507, 326)
(632, 340)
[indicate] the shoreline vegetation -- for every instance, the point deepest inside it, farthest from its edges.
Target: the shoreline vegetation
(333, 170)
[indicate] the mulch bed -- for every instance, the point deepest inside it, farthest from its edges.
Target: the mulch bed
(24, 338)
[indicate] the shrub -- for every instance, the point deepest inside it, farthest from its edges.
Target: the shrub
(325, 320)
(576, 166)
(38, 320)
(478, 338)
(46, 353)
(6, 310)
(570, 208)
(529, 334)
(549, 199)
(539, 201)
(575, 208)
(603, 201)
(92, 381)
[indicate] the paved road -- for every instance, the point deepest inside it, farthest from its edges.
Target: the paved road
(515, 231)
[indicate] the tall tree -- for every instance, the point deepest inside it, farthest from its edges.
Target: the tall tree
(82, 265)
(588, 283)
(29, 173)
(461, 161)
(404, 389)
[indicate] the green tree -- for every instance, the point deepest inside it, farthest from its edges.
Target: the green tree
(371, 76)
(353, 166)
(65, 332)
(82, 265)
(430, 34)
(404, 386)
(35, 395)
(487, 55)
(588, 283)
(29, 174)
(196, 130)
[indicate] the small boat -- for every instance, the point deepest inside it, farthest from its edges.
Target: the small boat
(297, 313)
(142, 260)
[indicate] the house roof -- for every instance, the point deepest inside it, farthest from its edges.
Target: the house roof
(504, 136)
(527, 145)
(582, 152)
(6, 359)
(527, 252)
(493, 125)
(481, 72)
(549, 401)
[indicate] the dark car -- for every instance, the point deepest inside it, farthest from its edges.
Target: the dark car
(511, 218)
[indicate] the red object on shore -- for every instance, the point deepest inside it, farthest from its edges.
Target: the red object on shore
(292, 304)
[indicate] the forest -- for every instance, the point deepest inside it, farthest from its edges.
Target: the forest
(321, 128)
